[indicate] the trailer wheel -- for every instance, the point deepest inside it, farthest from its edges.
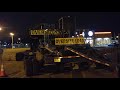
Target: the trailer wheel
(60, 67)
(37, 66)
(84, 66)
(28, 66)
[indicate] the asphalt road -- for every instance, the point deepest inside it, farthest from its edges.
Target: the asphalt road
(15, 69)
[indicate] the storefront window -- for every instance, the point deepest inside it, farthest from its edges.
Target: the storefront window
(102, 41)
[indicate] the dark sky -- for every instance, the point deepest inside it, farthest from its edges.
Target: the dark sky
(19, 22)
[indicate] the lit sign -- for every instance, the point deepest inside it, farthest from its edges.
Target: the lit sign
(69, 41)
(90, 33)
(43, 32)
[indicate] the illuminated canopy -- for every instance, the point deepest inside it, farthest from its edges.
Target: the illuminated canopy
(102, 32)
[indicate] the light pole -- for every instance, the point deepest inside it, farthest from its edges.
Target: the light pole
(0, 41)
(0, 28)
(12, 34)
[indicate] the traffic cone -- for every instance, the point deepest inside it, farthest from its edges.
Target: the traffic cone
(115, 72)
(2, 71)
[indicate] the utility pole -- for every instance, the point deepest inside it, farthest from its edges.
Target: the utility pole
(41, 27)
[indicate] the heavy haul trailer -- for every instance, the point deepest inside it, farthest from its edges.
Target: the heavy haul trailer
(46, 61)
(53, 57)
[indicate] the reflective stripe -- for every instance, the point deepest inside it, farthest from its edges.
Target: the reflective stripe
(69, 57)
(87, 57)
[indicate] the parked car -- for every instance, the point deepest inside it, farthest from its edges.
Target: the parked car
(113, 45)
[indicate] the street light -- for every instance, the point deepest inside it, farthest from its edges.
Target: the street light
(0, 28)
(12, 34)
(0, 41)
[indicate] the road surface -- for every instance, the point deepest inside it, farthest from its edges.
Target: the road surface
(15, 69)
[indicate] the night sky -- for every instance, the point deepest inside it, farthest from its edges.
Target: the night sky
(19, 22)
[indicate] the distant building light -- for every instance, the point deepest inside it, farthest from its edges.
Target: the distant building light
(0, 28)
(26, 44)
(89, 38)
(83, 33)
(19, 38)
(5, 45)
(117, 37)
(106, 38)
(98, 39)
(76, 32)
(90, 33)
(72, 36)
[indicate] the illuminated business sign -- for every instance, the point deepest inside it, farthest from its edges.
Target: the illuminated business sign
(90, 33)
(69, 41)
(44, 32)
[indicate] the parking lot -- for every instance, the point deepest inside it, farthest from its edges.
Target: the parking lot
(15, 69)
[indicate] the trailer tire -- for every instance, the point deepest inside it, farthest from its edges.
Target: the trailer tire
(84, 66)
(28, 66)
(37, 66)
(60, 67)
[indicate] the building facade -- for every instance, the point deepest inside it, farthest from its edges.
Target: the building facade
(94, 38)
(103, 38)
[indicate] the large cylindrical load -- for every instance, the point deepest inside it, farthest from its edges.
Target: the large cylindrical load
(33, 63)
(39, 56)
(28, 65)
